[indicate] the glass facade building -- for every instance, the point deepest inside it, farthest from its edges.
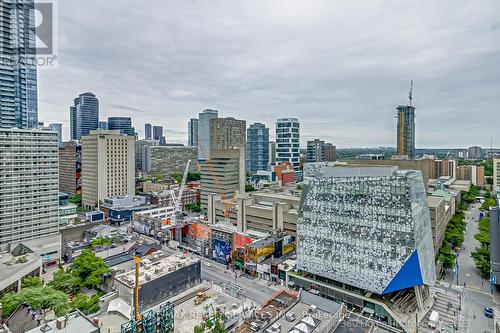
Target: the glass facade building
(367, 227)
(193, 132)
(204, 133)
(257, 148)
(84, 115)
(406, 130)
(123, 124)
(18, 75)
(288, 141)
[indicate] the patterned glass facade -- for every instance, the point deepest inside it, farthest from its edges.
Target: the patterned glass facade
(361, 226)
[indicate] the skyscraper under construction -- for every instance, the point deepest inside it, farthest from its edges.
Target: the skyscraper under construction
(406, 128)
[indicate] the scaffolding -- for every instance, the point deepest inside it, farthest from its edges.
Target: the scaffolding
(152, 321)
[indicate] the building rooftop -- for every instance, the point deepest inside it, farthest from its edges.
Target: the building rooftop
(155, 266)
(20, 260)
(75, 322)
(434, 201)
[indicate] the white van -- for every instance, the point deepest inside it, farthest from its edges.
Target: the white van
(434, 319)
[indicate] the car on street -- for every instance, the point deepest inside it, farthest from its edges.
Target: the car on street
(488, 312)
(208, 264)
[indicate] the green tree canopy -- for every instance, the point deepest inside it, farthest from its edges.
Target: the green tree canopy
(89, 268)
(31, 281)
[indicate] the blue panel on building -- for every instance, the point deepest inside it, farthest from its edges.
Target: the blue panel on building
(408, 276)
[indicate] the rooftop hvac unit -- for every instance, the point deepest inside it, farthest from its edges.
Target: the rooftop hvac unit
(158, 270)
(61, 323)
(148, 276)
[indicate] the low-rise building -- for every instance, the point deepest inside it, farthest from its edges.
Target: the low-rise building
(439, 212)
(154, 185)
(160, 278)
(18, 263)
(156, 222)
(267, 211)
(67, 211)
(119, 209)
(73, 322)
(166, 197)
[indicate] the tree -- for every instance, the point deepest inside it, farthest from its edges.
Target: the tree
(45, 298)
(84, 303)
(77, 199)
(10, 302)
(31, 281)
(89, 268)
(194, 207)
(482, 260)
(446, 257)
(66, 281)
(249, 188)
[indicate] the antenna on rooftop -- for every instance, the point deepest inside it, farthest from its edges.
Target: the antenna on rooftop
(410, 95)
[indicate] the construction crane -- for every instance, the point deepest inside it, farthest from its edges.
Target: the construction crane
(177, 201)
(410, 94)
(137, 263)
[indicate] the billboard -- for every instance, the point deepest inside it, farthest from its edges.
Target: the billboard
(288, 247)
(221, 251)
(240, 240)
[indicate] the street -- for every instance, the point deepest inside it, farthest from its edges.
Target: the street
(253, 289)
(476, 291)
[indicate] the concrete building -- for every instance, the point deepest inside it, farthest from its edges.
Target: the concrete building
(123, 124)
(204, 133)
(155, 185)
(227, 133)
(73, 322)
(193, 132)
(364, 237)
(257, 148)
(84, 115)
(164, 160)
(29, 190)
(475, 153)
(70, 168)
(223, 174)
(288, 141)
(18, 82)
(265, 211)
(406, 130)
(108, 166)
(463, 153)
(17, 263)
(165, 198)
(160, 278)
(272, 153)
(319, 151)
(472, 173)
(447, 168)
(496, 174)
(120, 209)
(438, 217)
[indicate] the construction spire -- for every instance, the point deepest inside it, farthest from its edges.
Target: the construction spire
(410, 94)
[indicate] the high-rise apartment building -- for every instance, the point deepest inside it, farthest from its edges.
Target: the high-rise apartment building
(227, 133)
(164, 160)
(123, 124)
(272, 153)
(319, 151)
(70, 168)
(288, 141)
(29, 190)
(193, 132)
(18, 79)
(496, 174)
(148, 131)
(257, 148)
(108, 166)
(369, 230)
(204, 133)
(158, 135)
(406, 130)
(223, 174)
(57, 128)
(475, 153)
(445, 168)
(474, 173)
(84, 115)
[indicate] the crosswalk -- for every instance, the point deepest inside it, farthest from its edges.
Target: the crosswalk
(447, 304)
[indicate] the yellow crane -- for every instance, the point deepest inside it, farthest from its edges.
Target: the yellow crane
(137, 262)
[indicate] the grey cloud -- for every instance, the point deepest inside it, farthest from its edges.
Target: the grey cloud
(340, 67)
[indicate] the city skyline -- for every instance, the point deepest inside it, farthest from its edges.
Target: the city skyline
(349, 82)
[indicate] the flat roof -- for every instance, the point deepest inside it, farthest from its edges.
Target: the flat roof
(12, 268)
(76, 322)
(155, 266)
(433, 200)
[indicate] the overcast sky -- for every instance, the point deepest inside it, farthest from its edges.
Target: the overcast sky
(341, 67)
